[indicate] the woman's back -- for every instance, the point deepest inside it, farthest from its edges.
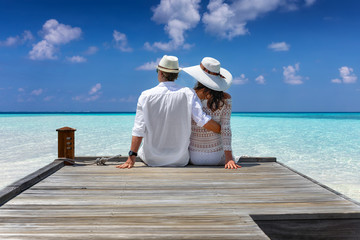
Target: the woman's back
(202, 140)
(207, 148)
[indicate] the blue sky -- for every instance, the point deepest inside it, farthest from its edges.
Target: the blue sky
(284, 55)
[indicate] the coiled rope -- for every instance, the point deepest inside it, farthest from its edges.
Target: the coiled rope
(102, 161)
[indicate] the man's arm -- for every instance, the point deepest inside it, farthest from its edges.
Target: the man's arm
(135, 145)
(213, 126)
(201, 118)
(137, 134)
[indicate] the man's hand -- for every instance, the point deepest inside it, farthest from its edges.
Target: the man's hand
(213, 126)
(231, 165)
(129, 163)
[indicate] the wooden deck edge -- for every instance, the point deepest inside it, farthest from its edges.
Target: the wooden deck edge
(21, 185)
(124, 158)
(256, 159)
(320, 184)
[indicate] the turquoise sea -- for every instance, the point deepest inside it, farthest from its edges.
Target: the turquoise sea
(324, 146)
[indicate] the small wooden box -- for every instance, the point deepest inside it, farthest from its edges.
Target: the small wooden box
(66, 142)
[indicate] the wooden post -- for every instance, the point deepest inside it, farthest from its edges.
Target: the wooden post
(66, 142)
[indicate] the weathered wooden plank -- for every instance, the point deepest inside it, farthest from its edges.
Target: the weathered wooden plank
(17, 187)
(136, 235)
(194, 202)
(151, 226)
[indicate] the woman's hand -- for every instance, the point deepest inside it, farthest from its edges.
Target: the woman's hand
(231, 165)
(229, 161)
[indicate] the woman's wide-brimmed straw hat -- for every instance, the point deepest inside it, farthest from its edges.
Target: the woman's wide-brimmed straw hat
(169, 64)
(211, 74)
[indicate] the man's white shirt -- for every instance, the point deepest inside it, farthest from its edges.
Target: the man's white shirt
(163, 119)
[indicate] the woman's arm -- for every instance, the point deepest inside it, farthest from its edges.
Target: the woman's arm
(229, 161)
(226, 134)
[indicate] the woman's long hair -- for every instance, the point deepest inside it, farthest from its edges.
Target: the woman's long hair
(215, 98)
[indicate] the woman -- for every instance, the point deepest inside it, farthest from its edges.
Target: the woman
(208, 148)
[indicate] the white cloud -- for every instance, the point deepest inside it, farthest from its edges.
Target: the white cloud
(290, 76)
(93, 94)
(336, 80)
(48, 98)
(149, 65)
(43, 50)
(121, 42)
(92, 98)
(57, 33)
(260, 79)
(27, 36)
(240, 80)
(95, 89)
(124, 99)
(178, 16)
(37, 92)
(228, 20)
(21, 90)
(77, 59)
(279, 46)
(128, 99)
(221, 20)
(148, 46)
(309, 2)
(91, 50)
(347, 76)
(54, 34)
(12, 41)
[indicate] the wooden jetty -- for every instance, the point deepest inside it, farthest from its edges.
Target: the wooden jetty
(262, 200)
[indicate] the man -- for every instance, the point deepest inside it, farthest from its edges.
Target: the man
(163, 119)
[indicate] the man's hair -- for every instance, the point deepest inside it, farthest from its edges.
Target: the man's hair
(170, 76)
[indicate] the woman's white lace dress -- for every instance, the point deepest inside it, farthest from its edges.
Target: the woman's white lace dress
(206, 147)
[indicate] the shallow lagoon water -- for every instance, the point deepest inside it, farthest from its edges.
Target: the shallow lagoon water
(324, 146)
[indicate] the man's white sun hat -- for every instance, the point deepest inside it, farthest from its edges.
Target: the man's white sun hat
(169, 64)
(210, 74)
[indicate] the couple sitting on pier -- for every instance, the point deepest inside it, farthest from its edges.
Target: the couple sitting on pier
(178, 123)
